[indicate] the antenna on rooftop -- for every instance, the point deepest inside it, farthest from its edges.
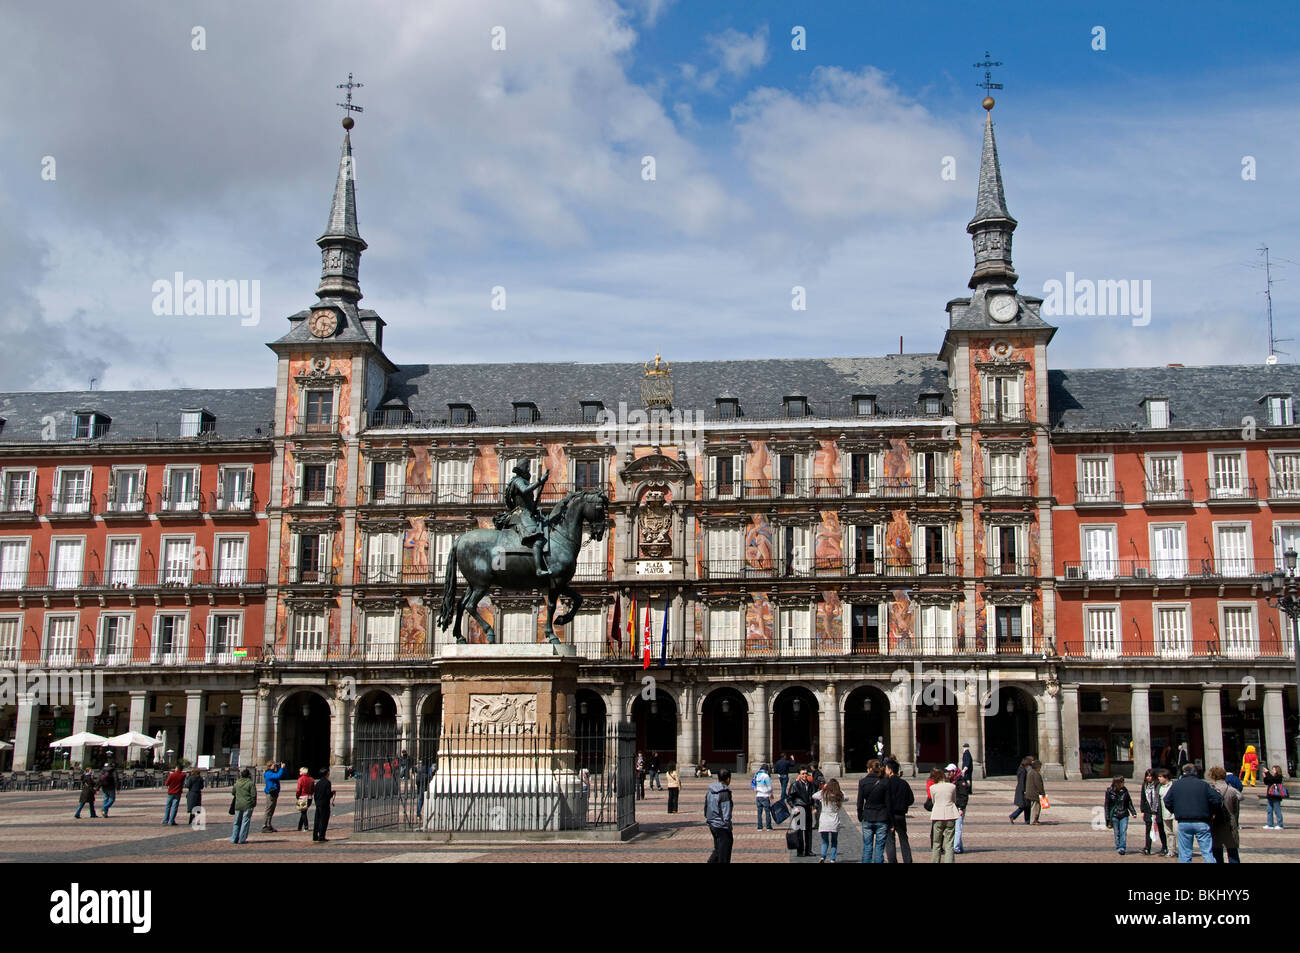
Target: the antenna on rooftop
(1268, 296)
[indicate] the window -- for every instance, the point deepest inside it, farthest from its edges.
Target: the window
(1005, 474)
(866, 634)
(10, 631)
(72, 490)
(931, 405)
(864, 405)
(18, 492)
(1281, 413)
(454, 481)
(587, 634)
(381, 635)
(1009, 629)
(1227, 476)
(225, 635)
(66, 559)
(195, 422)
(931, 472)
(383, 558)
(442, 543)
(311, 562)
(794, 630)
(726, 552)
(1285, 474)
(862, 471)
(1099, 552)
(728, 408)
(115, 638)
(319, 410)
(90, 426)
(1238, 627)
(178, 560)
(315, 485)
(1285, 536)
(170, 641)
(726, 630)
(387, 479)
(865, 548)
(1102, 631)
(935, 624)
(232, 560)
(591, 411)
(591, 561)
(930, 549)
(181, 489)
(1232, 549)
(123, 559)
(796, 550)
(1168, 551)
(13, 563)
(126, 490)
(1096, 480)
(586, 475)
(796, 406)
(1158, 413)
(726, 469)
(1165, 477)
(234, 488)
(526, 413)
(1003, 398)
(461, 415)
(518, 626)
(309, 635)
(1173, 633)
(60, 639)
(792, 470)
(1003, 550)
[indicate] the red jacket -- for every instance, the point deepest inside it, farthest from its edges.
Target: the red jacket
(176, 782)
(305, 786)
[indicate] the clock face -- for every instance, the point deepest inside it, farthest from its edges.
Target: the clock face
(323, 323)
(1003, 308)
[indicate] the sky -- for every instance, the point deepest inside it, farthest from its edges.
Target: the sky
(140, 140)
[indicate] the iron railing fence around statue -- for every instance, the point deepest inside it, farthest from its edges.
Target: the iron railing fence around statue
(494, 779)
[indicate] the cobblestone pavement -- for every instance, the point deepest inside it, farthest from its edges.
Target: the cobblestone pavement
(39, 826)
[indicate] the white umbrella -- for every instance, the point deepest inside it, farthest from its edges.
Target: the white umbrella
(5, 744)
(130, 739)
(80, 739)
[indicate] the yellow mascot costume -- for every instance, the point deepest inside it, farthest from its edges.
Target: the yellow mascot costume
(1249, 766)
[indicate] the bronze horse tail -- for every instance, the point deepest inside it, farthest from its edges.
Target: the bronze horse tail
(448, 609)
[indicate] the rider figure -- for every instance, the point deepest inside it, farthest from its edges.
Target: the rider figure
(532, 527)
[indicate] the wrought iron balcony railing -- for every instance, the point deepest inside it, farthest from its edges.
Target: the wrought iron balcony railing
(1143, 570)
(1241, 491)
(1168, 491)
(126, 504)
(1135, 648)
(229, 577)
(1098, 494)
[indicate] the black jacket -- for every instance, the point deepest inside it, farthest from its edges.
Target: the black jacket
(800, 793)
(1147, 807)
(900, 796)
(962, 797)
(1191, 799)
(1119, 804)
(875, 806)
(782, 766)
(1020, 785)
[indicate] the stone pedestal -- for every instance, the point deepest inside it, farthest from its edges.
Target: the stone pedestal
(509, 686)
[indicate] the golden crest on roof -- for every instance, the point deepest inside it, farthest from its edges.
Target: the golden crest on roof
(657, 384)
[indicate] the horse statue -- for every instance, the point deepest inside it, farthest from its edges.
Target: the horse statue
(489, 557)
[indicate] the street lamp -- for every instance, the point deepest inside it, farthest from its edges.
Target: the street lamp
(1281, 591)
(1174, 704)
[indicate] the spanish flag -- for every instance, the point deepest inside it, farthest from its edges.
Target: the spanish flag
(631, 626)
(645, 638)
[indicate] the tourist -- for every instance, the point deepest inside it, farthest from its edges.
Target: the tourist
(1184, 759)
(1034, 789)
(702, 770)
(761, 782)
(243, 801)
(961, 798)
(175, 788)
(1152, 812)
(717, 814)
(1249, 766)
(1119, 808)
(967, 771)
(800, 798)
(193, 794)
(1164, 784)
(108, 784)
(1225, 823)
(640, 776)
(1193, 802)
(831, 799)
(306, 785)
(673, 782)
(783, 766)
(272, 776)
(1274, 794)
(875, 812)
(943, 821)
(880, 749)
(87, 794)
(1234, 782)
(1022, 805)
(653, 768)
(900, 799)
(323, 793)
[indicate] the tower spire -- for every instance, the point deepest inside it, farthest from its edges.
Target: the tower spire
(992, 225)
(341, 244)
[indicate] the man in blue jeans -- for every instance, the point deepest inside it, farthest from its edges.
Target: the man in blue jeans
(1193, 803)
(875, 812)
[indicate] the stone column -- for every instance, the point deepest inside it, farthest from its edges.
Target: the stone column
(1070, 732)
(265, 712)
(25, 732)
(1212, 725)
(687, 738)
(247, 726)
(1053, 767)
(618, 704)
(969, 717)
(1274, 728)
(139, 705)
(193, 725)
(82, 720)
(406, 715)
(760, 739)
(1139, 701)
(831, 763)
(341, 718)
(902, 721)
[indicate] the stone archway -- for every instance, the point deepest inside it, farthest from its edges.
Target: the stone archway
(590, 731)
(866, 719)
(795, 724)
(656, 727)
(1010, 733)
(304, 727)
(724, 729)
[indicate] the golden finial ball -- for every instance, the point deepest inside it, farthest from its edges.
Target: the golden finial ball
(988, 102)
(348, 123)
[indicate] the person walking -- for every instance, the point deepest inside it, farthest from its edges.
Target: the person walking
(1274, 795)
(762, 785)
(800, 799)
(653, 768)
(1119, 808)
(961, 798)
(108, 784)
(1225, 825)
(1249, 766)
(1022, 805)
(275, 773)
(243, 801)
(306, 785)
(1152, 812)
(1184, 759)
(875, 812)
(967, 770)
(640, 776)
(943, 821)
(831, 799)
(323, 794)
(193, 794)
(673, 782)
(1035, 790)
(175, 788)
(87, 797)
(717, 814)
(783, 766)
(1193, 802)
(900, 799)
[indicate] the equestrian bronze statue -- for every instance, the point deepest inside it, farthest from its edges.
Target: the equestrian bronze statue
(490, 558)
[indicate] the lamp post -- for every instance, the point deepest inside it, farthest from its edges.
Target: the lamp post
(1282, 591)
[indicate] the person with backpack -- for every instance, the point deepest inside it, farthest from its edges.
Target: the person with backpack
(1153, 814)
(831, 799)
(1119, 808)
(108, 784)
(800, 798)
(762, 785)
(717, 814)
(307, 784)
(900, 799)
(1274, 794)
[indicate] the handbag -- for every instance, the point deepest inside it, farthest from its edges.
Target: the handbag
(232, 805)
(1043, 802)
(793, 840)
(929, 804)
(780, 813)
(1276, 790)
(304, 803)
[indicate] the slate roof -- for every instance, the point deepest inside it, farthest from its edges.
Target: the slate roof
(990, 202)
(969, 314)
(137, 415)
(350, 329)
(897, 381)
(1200, 398)
(343, 209)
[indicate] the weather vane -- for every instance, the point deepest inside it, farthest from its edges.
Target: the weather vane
(988, 83)
(348, 122)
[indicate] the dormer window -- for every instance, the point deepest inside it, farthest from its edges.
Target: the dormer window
(591, 411)
(1158, 413)
(525, 412)
(931, 405)
(864, 405)
(796, 405)
(728, 407)
(1281, 410)
(195, 422)
(462, 415)
(90, 425)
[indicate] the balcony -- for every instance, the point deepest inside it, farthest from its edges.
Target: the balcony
(1022, 568)
(1166, 570)
(1008, 486)
(1168, 493)
(1284, 489)
(1240, 493)
(750, 647)
(820, 489)
(144, 655)
(180, 503)
(126, 505)
(392, 576)
(299, 576)
(230, 577)
(317, 424)
(70, 505)
(221, 505)
(1004, 413)
(904, 567)
(18, 507)
(311, 496)
(1098, 495)
(1198, 649)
